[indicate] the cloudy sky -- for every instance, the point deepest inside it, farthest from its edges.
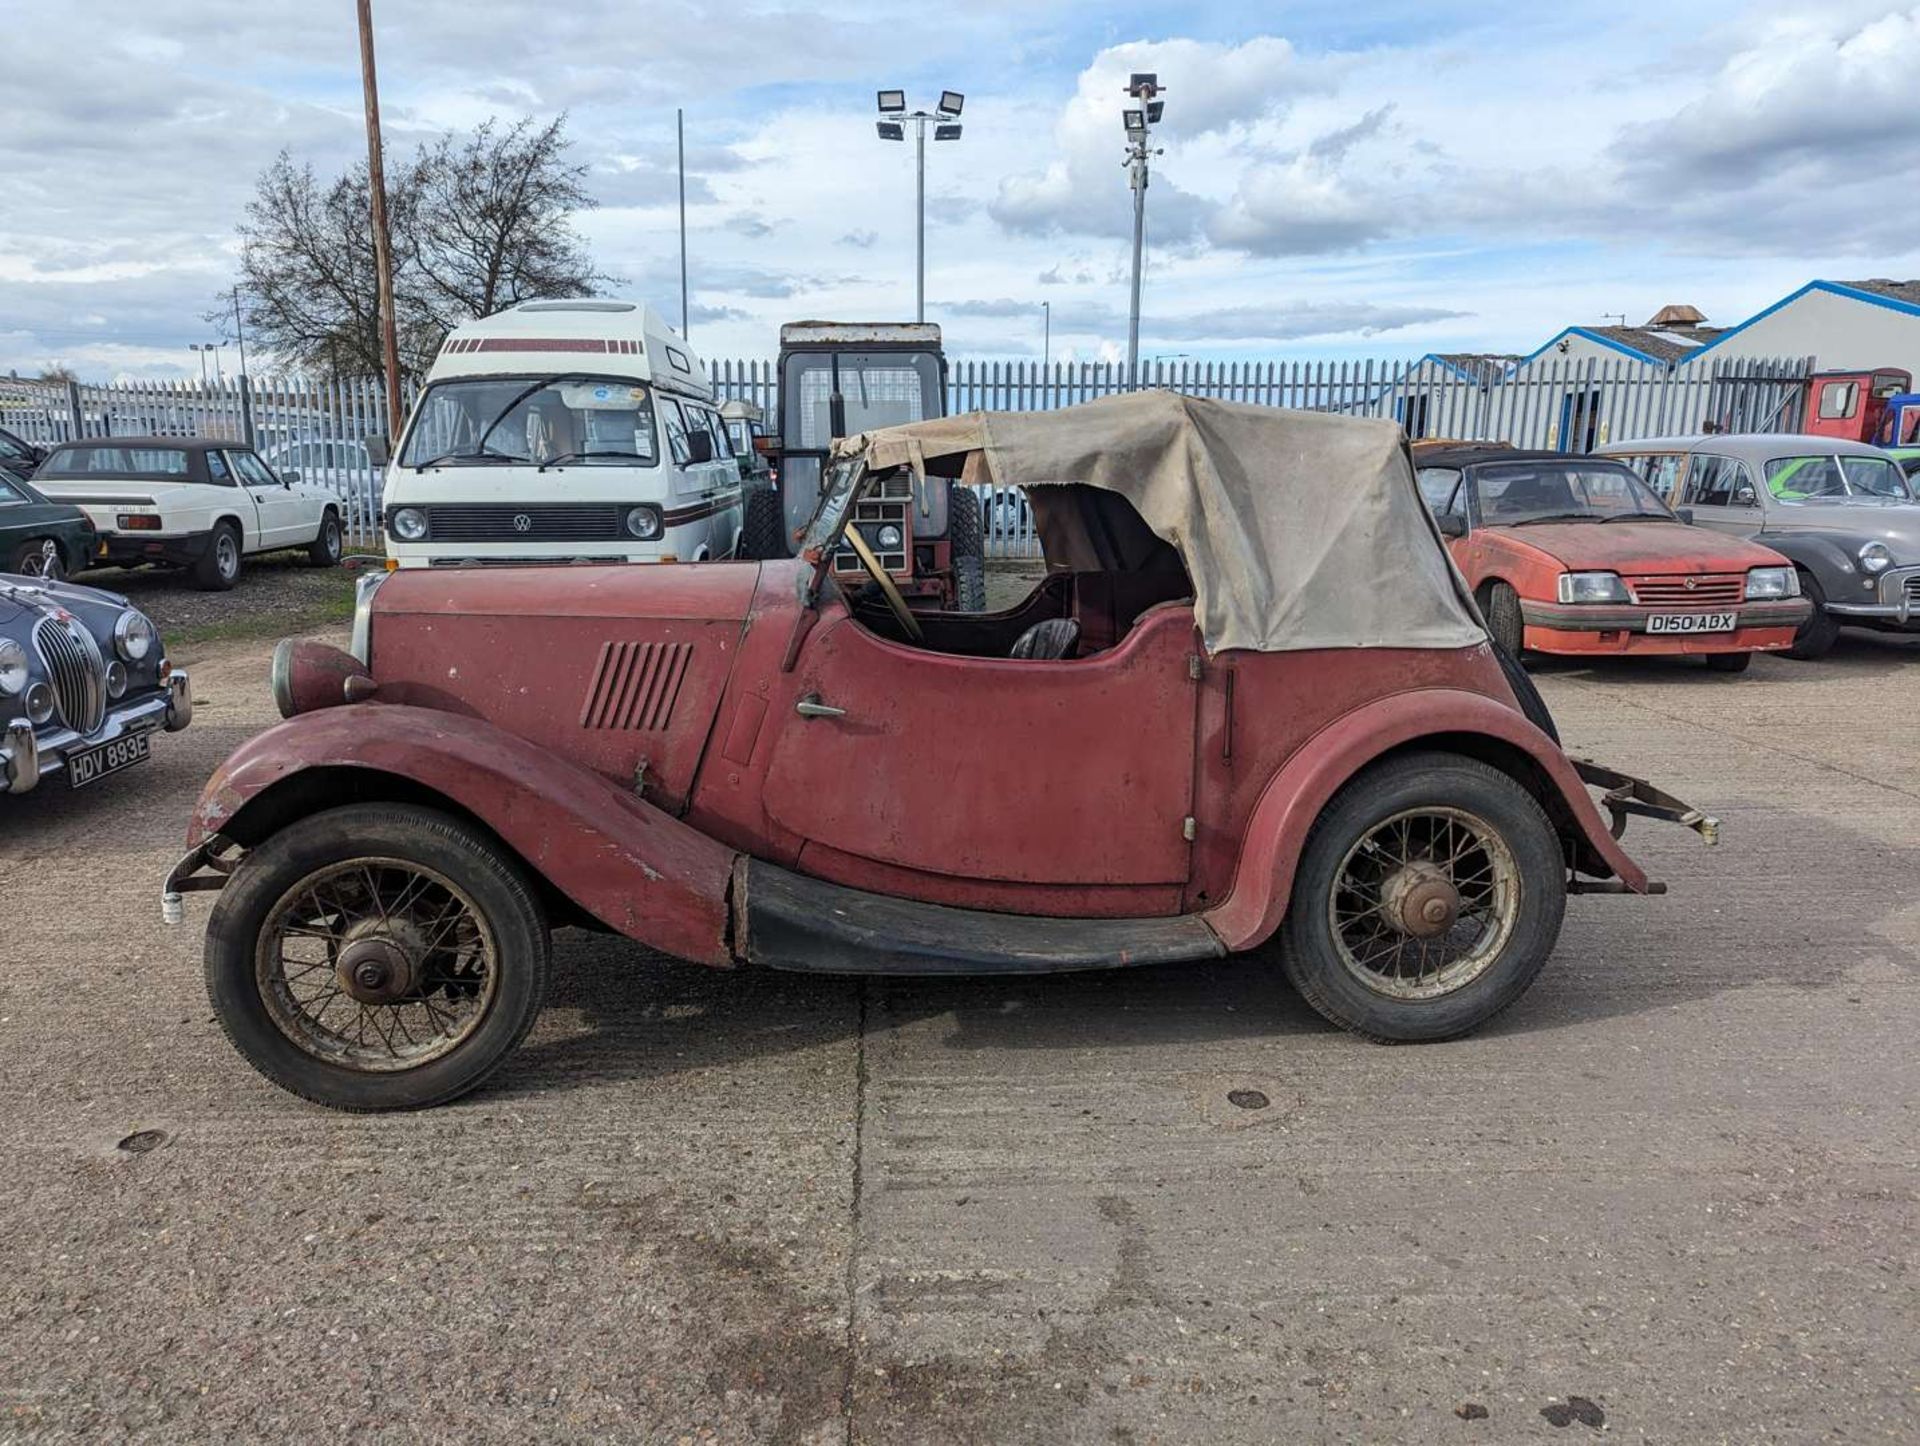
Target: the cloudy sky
(1339, 179)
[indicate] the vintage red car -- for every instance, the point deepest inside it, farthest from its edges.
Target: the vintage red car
(1577, 555)
(1223, 721)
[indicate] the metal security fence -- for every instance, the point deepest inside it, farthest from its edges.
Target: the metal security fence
(1571, 404)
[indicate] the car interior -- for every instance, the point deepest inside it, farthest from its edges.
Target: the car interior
(1106, 570)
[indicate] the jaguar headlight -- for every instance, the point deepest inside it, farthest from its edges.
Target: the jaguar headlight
(645, 523)
(409, 524)
(1772, 582)
(133, 636)
(116, 679)
(1592, 587)
(888, 537)
(13, 668)
(1874, 557)
(39, 704)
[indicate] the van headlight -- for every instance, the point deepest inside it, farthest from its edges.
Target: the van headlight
(645, 522)
(1772, 582)
(1874, 557)
(13, 668)
(1592, 587)
(409, 524)
(133, 636)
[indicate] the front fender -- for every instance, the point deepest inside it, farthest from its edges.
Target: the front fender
(634, 868)
(1294, 798)
(1829, 561)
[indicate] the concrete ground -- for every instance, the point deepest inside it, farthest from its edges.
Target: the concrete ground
(1671, 1194)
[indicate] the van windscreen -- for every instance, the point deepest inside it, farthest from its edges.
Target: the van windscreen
(566, 420)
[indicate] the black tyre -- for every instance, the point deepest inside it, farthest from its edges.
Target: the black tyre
(763, 523)
(966, 550)
(1502, 607)
(1428, 896)
(219, 566)
(377, 957)
(1729, 662)
(1820, 632)
(325, 549)
(38, 558)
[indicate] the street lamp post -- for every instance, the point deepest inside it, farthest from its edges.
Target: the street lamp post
(946, 127)
(1140, 118)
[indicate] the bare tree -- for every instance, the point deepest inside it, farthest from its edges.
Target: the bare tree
(479, 223)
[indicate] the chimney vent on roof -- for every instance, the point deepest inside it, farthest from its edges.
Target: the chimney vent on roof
(1678, 318)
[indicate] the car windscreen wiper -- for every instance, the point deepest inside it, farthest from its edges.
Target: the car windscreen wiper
(579, 456)
(480, 456)
(1631, 516)
(1550, 517)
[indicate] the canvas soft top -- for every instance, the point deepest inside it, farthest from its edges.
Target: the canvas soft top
(1298, 529)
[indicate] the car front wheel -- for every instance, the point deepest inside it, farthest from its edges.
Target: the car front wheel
(39, 558)
(376, 957)
(1820, 631)
(1428, 896)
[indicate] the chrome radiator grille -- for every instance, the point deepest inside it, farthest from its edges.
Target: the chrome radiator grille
(76, 671)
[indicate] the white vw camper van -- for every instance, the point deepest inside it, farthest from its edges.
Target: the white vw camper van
(564, 431)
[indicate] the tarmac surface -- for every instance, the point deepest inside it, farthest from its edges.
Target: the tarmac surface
(1670, 1196)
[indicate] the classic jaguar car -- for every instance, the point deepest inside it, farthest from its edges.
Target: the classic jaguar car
(1841, 511)
(84, 684)
(193, 502)
(39, 538)
(1219, 724)
(1574, 555)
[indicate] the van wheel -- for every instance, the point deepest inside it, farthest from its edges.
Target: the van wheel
(1820, 632)
(377, 957)
(1502, 608)
(219, 566)
(325, 549)
(763, 523)
(1729, 662)
(1428, 896)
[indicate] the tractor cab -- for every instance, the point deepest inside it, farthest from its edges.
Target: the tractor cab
(840, 379)
(1877, 406)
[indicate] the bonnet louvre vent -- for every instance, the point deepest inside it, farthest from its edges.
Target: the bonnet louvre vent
(635, 685)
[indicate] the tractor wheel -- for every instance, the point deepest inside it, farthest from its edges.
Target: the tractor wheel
(763, 523)
(967, 551)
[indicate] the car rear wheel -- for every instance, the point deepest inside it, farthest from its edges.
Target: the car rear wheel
(218, 568)
(1502, 607)
(1729, 662)
(1820, 632)
(1428, 896)
(377, 957)
(38, 558)
(325, 548)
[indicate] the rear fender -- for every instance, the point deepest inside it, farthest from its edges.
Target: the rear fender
(1443, 718)
(634, 868)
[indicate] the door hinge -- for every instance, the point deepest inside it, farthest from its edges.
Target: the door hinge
(1193, 666)
(1186, 828)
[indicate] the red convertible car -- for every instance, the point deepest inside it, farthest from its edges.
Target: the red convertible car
(1577, 555)
(1249, 708)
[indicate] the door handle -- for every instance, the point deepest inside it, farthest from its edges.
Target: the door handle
(811, 707)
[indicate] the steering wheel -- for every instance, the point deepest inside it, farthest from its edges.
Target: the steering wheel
(896, 604)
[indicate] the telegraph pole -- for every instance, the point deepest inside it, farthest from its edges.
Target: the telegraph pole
(382, 238)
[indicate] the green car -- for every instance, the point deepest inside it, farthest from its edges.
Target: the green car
(39, 538)
(1909, 460)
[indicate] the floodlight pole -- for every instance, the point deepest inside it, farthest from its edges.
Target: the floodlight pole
(1139, 177)
(920, 209)
(946, 127)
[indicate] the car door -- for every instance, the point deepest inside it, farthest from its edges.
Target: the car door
(1070, 773)
(287, 517)
(1720, 490)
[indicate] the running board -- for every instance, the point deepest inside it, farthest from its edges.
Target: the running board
(794, 922)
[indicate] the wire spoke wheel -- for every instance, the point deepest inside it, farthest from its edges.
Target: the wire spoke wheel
(377, 964)
(1423, 902)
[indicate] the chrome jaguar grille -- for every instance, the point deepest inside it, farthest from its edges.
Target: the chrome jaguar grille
(1700, 591)
(76, 671)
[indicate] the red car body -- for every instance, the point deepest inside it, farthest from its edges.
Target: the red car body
(1667, 569)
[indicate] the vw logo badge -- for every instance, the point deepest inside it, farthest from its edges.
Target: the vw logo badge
(524, 523)
(1692, 582)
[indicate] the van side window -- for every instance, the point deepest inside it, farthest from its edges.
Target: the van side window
(717, 429)
(674, 422)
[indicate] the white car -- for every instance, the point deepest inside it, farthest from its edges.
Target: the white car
(192, 502)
